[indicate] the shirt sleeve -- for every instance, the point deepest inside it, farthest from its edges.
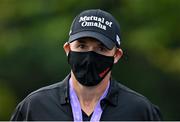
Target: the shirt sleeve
(17, 114)
(156, 114)
(22, 111)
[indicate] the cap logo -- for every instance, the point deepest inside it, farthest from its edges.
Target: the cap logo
(70, 32)
(118, 39)
(95, 21)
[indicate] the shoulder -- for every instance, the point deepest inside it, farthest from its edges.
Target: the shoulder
(135, 103)
(128, 94)
(44, 103)
(47, 94)
(42, 95)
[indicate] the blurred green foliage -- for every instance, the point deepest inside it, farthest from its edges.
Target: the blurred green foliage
(32, 34)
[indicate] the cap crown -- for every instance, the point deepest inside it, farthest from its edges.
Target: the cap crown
(97, 21)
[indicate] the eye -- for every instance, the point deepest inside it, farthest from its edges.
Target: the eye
(81, 46)
(103, 49)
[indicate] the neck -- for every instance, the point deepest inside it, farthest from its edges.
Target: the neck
(89, 96)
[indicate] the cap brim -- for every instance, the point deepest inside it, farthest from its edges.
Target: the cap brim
(103, 39)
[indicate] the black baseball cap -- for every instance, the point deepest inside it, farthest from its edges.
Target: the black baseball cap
(98, 24)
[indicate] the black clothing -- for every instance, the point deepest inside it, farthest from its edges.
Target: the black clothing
(53, 103)
(86, 117)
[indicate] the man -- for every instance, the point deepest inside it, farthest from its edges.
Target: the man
(89, 93)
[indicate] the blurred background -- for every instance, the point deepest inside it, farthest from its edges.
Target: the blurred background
(32, 34)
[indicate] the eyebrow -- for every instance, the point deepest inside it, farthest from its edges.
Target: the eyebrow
(101, 44)
(84, 42)
(81, 41)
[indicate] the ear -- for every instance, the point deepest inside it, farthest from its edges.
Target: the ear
(66, 48)
(118, 55)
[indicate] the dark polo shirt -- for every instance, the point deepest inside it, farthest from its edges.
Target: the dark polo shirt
(53, 103)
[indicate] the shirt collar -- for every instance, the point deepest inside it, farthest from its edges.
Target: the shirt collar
(112, 95)
(64, 98)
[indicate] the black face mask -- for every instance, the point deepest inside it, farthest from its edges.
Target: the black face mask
(90, 68)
